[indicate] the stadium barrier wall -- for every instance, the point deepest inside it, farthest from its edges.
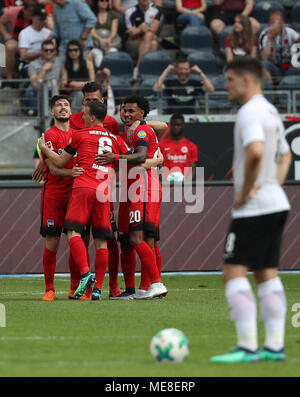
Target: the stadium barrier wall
(189, 242)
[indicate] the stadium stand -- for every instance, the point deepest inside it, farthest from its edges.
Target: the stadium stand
(207, 62)
(153, 63)
(119, 63)
(262, 10)
(196, 39)
(295, 15)
(223, 36)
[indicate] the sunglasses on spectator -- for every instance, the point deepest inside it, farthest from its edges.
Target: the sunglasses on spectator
(48, 49)
(73, 49)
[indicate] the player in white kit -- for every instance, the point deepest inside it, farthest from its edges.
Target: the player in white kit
(261, 162)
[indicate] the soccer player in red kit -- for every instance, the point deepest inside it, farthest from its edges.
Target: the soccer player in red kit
(139, 219)
(92, 92)
(178, 151)
(56, 189)
(90, 200)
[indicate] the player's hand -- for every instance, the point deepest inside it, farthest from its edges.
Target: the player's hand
(77, 171)
(42, 143)
(37, 174)
(242, 199)
(105, 158)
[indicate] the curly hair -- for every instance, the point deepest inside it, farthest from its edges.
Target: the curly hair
(140, 101)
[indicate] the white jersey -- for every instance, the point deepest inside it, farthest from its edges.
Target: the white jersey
(258, 120)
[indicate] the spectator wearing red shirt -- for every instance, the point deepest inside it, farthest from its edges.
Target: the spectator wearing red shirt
(191, 12)
(17, 18)
(242, 41)
(180, 154)
(225, 12)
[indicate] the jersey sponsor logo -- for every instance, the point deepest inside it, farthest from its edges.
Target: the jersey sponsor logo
(184, 149)
(50, 222)
(142, 134)
(49, 145)
(177, 157)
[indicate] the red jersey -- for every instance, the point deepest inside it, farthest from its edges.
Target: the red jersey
(55, 186)
(109, 123)
(178, 153)
(88, 143)
(144, 135)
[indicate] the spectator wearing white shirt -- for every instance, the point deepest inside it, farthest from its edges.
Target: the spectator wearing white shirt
(275, 43)
(31, 39)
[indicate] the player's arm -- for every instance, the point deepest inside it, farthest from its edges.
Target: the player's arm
(154, 162)
(60, 160)
(132, 158)
(64, 172)
(283, 167)
(253, 159)
(159, 126)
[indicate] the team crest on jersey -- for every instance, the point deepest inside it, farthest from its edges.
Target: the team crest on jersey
(184, 149)
(60, 151)
(49, 145)
(142, 134)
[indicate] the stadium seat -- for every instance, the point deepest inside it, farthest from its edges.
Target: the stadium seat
(288, 83)
(121, 88)
(120, 64)
(196, 39)
(207, 62)
(295, 15)
(262, 10)
(153, 63)
(145, 89)
(220, 101)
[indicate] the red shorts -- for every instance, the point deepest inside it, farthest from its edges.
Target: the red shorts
(84, 208)
(53, 212)
(139, 216)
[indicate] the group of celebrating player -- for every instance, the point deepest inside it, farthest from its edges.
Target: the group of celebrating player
(80, 153)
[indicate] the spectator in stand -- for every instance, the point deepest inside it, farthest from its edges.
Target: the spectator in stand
(76, 72)
(181, 91)
(105, 33)
(180, 154)
(73, 20)
(17, 18)
(107, 92)
(47, 67)
(225, 12)
(48, 5)
(191, 12)
(31, 39)
(275, 44)
(142, 23)
(242, 41)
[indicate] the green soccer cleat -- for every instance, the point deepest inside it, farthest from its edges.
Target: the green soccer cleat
(235, 356)
(269, 355)
(84, 284)
(96, 294)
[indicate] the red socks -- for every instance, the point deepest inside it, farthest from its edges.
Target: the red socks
(158, 257)
(74, 273)
(101, 262)
(113, 263)
(148, 261)
(49, 265)
(128, 264)
(78, 251)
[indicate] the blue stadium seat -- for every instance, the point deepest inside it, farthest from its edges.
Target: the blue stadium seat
(262, 10)
(221, 101)
(295, 15)
(153, 63)
(145, 89)
(207, 62)
(288, 83)
(196, 39)
(120, 64)
(228, 29)
(121, 88)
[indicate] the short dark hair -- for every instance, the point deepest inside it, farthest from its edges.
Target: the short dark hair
(97, 109)
(140, 100)
(47, 42)
(91, 86)
(243, 65)
(177, 116)
(277, 12)
(56, 98)
(181, 59)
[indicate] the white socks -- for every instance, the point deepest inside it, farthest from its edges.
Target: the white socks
(242, 306)
(273, 312)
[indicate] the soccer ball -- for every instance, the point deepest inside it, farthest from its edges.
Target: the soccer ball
(175, 177)
(169, 345)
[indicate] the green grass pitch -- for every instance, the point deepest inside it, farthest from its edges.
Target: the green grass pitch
(111, 338)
